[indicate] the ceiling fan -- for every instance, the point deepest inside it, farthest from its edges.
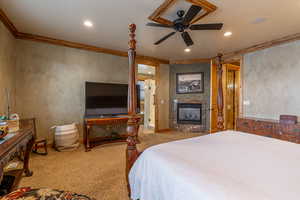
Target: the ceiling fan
(183, 23)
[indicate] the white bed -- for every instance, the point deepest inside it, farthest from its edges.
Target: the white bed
(224, 166)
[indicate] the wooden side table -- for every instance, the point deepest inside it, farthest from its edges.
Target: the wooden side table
(109, 121)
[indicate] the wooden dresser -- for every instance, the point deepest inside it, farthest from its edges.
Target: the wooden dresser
(270, 128)
(15, 145)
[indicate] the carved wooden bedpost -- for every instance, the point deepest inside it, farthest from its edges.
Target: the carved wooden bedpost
(133, 121)
(220, 100)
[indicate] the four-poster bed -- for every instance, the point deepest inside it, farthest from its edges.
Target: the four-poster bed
(230, 165)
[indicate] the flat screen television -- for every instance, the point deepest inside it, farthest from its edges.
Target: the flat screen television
(107, 99)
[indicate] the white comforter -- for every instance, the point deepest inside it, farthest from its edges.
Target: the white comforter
(224, 166)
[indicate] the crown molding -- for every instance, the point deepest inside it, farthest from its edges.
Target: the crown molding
(9, 25)
(38, 38)
(264, 45)
(140, 58)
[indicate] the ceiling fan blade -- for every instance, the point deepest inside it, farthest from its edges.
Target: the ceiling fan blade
(164, 38)
(158, 25)
(206, 26)
(187, 38)
(192, 12)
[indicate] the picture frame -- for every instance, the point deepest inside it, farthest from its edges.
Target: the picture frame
(188, 83)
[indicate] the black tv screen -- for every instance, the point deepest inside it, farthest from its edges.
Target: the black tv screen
(107, 98)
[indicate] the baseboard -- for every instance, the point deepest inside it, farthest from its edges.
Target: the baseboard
(163, 130)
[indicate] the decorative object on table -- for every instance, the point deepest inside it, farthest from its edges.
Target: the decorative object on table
(3, 129)
(288, 119)
(13, 123)
(43, 193)
(3, 118)
(40, 143)
(187, 83)
(66, 137)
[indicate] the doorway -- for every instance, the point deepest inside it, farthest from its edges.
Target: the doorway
(146, 80)
(232, 98)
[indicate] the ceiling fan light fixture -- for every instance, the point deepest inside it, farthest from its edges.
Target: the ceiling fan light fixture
(227, 34)
(183, 23)
(187, 50)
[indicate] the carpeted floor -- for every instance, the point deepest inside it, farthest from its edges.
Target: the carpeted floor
(99, 173)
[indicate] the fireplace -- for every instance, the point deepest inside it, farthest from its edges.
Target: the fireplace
(189, 113)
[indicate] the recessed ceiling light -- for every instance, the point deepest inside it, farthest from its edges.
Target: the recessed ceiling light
(187, 50)
(227, 34)
(88, 23)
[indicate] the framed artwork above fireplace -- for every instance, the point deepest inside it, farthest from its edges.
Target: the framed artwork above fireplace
(187, 83)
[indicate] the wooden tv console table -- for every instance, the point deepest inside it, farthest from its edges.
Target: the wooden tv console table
(110, 121)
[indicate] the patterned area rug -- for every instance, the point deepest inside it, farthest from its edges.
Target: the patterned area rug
(43, 194)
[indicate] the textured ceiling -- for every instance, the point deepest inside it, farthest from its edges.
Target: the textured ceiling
(251, 22)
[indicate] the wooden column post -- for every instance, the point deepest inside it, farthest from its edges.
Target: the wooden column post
(220, 99)
(132, 104)
(133, 121)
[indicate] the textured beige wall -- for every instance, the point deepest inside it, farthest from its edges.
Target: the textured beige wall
(7, 68)
(271, 80)
(163, 96)
(51, 80)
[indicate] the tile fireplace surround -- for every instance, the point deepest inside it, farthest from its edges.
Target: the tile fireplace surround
(197, 98)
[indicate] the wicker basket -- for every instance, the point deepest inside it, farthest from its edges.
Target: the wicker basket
(66, 137)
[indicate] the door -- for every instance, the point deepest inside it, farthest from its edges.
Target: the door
(232, 96)
(230, 100)
(214, 94)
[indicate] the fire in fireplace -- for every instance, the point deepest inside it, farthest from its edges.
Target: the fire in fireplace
(189, 113)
